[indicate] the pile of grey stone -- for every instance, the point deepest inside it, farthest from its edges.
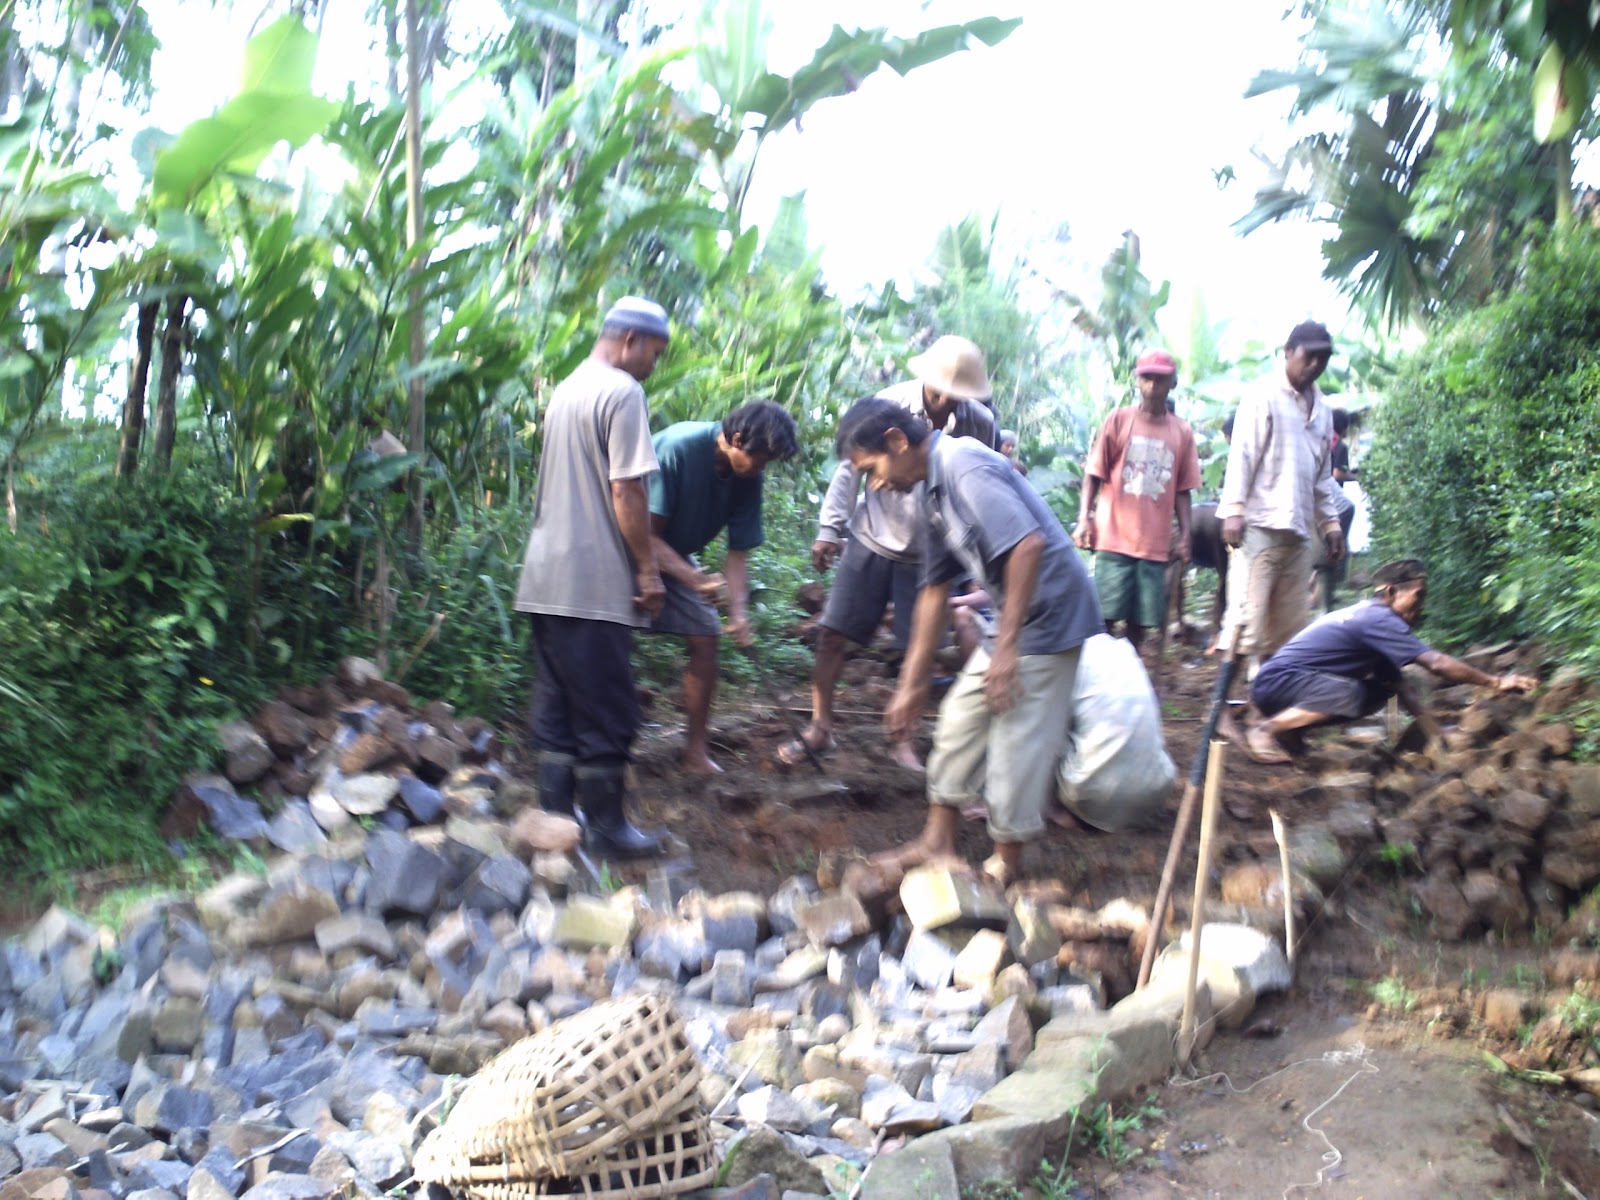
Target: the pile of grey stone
(294, 1032)
(291, 1035)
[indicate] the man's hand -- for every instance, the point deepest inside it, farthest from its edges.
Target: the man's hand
(904, 713)
(711, 586)
(1000, 685)
(1515, 683)
(740, 631)
(649, 593)
(1083, 534)
(1233, 531)
(823, 553)
(1334, 541)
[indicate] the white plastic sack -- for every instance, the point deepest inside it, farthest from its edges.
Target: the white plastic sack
(1116, 773)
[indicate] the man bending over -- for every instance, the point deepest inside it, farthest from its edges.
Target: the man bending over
(1347, 664)
(710, 480)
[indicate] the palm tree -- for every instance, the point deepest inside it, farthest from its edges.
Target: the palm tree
(1430, 179)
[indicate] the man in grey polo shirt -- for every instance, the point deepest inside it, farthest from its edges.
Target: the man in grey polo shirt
(589, 576)
(1003, 725)
(879, 534)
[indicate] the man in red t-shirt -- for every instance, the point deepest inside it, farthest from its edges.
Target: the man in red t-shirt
(1139, 474)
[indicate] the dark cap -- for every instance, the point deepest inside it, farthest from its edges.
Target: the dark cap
(1401, 570)
(1310, 335)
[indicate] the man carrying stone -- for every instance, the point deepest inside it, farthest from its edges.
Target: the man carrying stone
(1003, 724)
(710, 480)
(879, 534)
(1138, 477)
(1348, 664)
(1277, 493)
(589, 576)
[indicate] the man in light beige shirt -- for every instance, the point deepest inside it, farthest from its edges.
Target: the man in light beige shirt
(1277, 493)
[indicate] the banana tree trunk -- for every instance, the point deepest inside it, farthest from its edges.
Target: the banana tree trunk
(166, 433)
(138, 381)
(1564, 183)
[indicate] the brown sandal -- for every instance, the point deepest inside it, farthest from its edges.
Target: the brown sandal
(797, 750)
(1265, 748)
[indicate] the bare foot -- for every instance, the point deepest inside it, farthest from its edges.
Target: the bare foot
(905, 754)
(1062, 818)
(1230, 729)
(998, 870)
(700, 764)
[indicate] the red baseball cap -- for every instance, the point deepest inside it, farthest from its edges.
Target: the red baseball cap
(1155, 362)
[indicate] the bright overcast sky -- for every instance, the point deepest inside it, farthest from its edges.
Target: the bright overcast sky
(1107, 117)
(1102, 116)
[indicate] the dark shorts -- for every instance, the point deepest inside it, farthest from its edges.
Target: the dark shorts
(584, 700)
(1318, 692)
(1131, 589)
(864, 582)
(687, 612)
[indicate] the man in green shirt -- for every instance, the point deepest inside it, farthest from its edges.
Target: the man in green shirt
(710, 479)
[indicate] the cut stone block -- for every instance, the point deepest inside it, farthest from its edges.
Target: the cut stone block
(935, 896)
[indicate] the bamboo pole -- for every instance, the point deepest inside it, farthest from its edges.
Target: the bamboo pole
(1202, 885)
(1186, 807)
(1281, 835)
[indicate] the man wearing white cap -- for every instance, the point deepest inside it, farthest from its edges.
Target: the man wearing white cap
(880, 535)
(589, 576)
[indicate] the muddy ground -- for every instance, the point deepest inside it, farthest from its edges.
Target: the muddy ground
(1332, 1092)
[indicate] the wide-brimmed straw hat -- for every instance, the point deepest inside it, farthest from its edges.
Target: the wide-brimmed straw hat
(953, 366)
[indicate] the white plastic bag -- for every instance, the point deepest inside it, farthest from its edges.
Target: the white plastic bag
(1116, 773)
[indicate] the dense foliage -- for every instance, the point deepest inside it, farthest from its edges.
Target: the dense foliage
(1484, 464)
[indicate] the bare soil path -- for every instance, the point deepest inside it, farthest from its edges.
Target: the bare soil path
(1344, 1098)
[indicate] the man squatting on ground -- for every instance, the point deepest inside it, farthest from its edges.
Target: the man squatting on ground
(709, 480)
(1348, 664)
(589, 576)
(1277, 493)
(882, 550)
(1139, 475)
(1003, 724)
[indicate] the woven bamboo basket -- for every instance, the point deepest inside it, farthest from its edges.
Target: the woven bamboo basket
(676, 1157)
(550, 1104)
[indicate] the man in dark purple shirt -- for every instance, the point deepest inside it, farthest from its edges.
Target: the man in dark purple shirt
(1348, 664)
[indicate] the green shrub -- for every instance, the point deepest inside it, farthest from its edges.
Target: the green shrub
(1482, 461)
(118, 640)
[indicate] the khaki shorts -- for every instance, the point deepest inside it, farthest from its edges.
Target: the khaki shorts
(1009, 758)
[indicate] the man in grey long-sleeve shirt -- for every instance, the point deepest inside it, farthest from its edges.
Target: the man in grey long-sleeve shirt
(880, 534)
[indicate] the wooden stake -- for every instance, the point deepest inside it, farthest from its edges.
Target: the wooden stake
(1393, 718)
(1288, 887)
(1202, 885)
(1191, 798)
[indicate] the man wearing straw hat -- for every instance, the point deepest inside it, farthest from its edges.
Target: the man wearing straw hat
(589, 576)
(880, 536)
(1348, 664)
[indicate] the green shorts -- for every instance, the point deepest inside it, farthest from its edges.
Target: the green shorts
(1131, 589)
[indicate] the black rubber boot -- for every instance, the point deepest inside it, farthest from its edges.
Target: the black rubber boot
(557, 784)
(610, 833)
